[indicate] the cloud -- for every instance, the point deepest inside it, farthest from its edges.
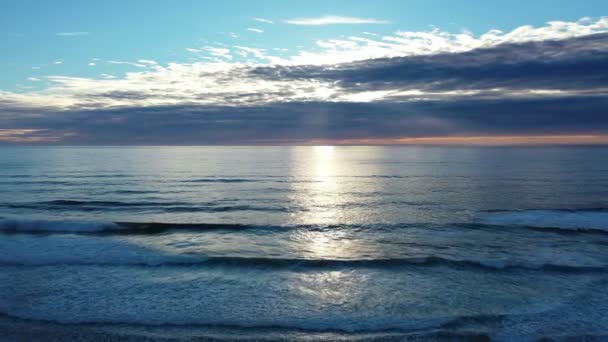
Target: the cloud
(484, 140)
(574, 64)
(219, 52)
(246, 51)
(147, 61)
(262, 20)
(256, 30)
(545, 81)
(29, 135)
(92, 64)
(33, 79)
(532, 68)
(334, 20)
(411, 43)
(305, 122)
(139, 65)
(71, 34)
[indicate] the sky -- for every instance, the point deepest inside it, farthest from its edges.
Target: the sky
(308, 72)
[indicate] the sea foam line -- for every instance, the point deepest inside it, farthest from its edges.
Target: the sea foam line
(573, 220)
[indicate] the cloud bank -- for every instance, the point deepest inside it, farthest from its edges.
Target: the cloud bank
(402, 88)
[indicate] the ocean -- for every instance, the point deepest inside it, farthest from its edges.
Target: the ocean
(304, 243)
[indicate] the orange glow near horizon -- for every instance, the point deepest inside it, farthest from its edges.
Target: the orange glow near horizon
(42, 136)
(476, 140)
(26, 136)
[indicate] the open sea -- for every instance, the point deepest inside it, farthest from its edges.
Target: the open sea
(304, 243)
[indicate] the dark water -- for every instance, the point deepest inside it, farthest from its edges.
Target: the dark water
(510, 243)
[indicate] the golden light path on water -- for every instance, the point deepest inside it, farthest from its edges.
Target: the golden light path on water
(321, 195)
(315, 185)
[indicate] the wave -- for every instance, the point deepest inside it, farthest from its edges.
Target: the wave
(225, 208)
(38, 182)
(230, 331)
(222, 180)
(100, 251)
(193, 207)
(315, 329)
(8, 225)
(106, 203)
(480, 327)
(288, 263)
(153, 311)
(11, 225)
(140, 192)
(38, 226)
(488, 220)
(80, 205)
(41, 226)
(69, 176)
(594, 219)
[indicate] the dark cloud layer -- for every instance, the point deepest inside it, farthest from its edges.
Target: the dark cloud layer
(571, 64)
(303, 121)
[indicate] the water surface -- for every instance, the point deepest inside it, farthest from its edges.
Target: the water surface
(304, 241)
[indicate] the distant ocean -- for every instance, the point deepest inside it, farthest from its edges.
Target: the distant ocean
(305, 243)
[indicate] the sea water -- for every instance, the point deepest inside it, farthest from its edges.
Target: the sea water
(319, 242)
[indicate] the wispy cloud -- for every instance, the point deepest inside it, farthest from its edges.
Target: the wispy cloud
(219, 52)
(70, 34)
(334, 20)
(139, 65)
(33, 79)
(256, 30)
(147, 61)
(245, 51)
(262, 20)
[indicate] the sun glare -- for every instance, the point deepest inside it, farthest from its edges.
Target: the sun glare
(324, 149)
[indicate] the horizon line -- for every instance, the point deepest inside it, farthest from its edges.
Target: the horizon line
(488, 140)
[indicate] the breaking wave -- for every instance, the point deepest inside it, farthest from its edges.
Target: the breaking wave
(563, 219)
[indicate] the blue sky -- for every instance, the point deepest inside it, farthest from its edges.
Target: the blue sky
(161, 30)
(308, 72)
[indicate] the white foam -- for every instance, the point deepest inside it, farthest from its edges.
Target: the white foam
(561, 219)
(18, 225)
(80, 250)
(365, 300)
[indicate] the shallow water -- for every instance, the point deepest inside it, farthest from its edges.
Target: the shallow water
(504, 242)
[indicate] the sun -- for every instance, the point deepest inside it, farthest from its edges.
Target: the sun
(324, 149)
